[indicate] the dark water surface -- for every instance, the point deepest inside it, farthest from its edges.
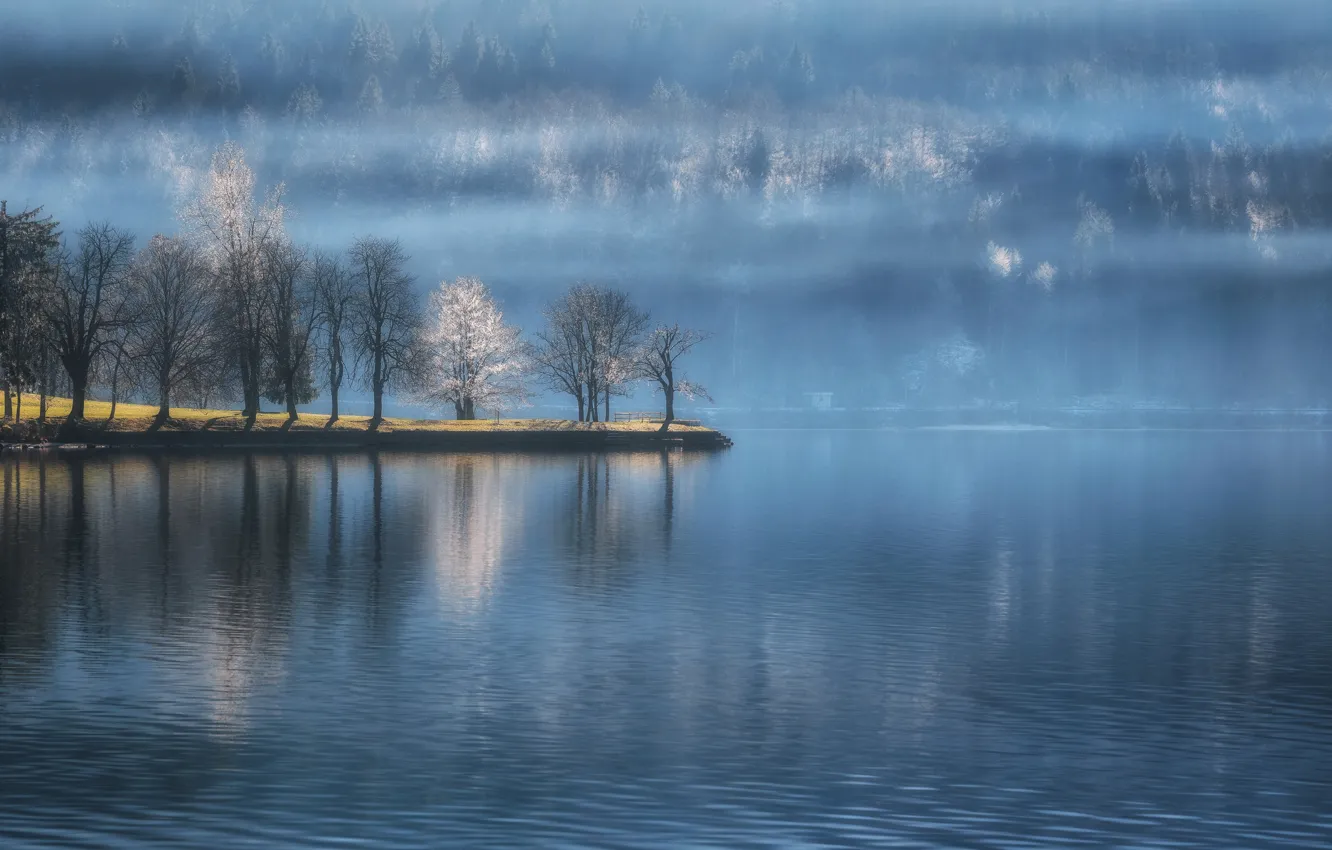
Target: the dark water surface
(816, 639)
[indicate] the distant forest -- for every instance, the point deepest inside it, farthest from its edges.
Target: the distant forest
(1032, 201)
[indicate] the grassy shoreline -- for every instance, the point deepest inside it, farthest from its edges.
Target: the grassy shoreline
(132, 426)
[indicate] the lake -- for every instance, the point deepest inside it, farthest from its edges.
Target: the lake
(845, 639)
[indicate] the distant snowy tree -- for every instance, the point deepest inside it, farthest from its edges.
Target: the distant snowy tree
(467, 58)
(304, 105)
(472, 360)
(371, 45)
(184, 87)
(1003, 261)
(228, 83)
(425, 58)
(371, 101)
(274, 54)
(1044, 276)
(797, 73)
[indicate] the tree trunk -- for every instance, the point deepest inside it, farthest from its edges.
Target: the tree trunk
(578, 395)
(469, 409)
(115, 385)
(246, 411)
(377, 390)
(78, 395)
(670, 407)
(606, 418)
(9, 402)
(334, 383)
(292, 415)
(333, 391)
(41, 405)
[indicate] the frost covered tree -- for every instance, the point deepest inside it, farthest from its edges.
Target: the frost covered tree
(471, 359)
(235, 230)
(658, 360)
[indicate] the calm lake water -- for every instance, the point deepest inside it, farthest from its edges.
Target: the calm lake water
(847, 639)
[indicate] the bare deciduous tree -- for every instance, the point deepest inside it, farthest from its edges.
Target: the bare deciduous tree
(289, 333)
(114, 369)
(658, 361)
(619, 326)
(588, 346)
(471, 358)
(88, 304)
(173, 339)
(335, 292)
(384, 316)
(557, 355)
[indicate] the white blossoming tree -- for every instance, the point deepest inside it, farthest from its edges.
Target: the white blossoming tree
(472, 360)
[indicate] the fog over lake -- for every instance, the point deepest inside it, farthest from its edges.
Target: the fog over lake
(1124, 201)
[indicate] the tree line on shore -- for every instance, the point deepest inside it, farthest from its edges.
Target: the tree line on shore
(233, 308)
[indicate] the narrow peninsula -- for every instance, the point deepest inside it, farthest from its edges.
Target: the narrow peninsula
(136, 426)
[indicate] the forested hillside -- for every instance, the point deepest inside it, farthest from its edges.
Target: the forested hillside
(1013, 200)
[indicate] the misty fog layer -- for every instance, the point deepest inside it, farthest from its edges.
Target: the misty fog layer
(1015, 201)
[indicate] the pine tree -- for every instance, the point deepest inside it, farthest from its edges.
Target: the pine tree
(426, 59)
(797, 74)
(27, 250)
(541, 58)
(467, 58)
(496, 72)
(371, 101)
(274, 55)
(228, 83)
(183, 84)
(304, 105)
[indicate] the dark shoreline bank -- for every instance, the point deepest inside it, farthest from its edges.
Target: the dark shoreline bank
(471, 441)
